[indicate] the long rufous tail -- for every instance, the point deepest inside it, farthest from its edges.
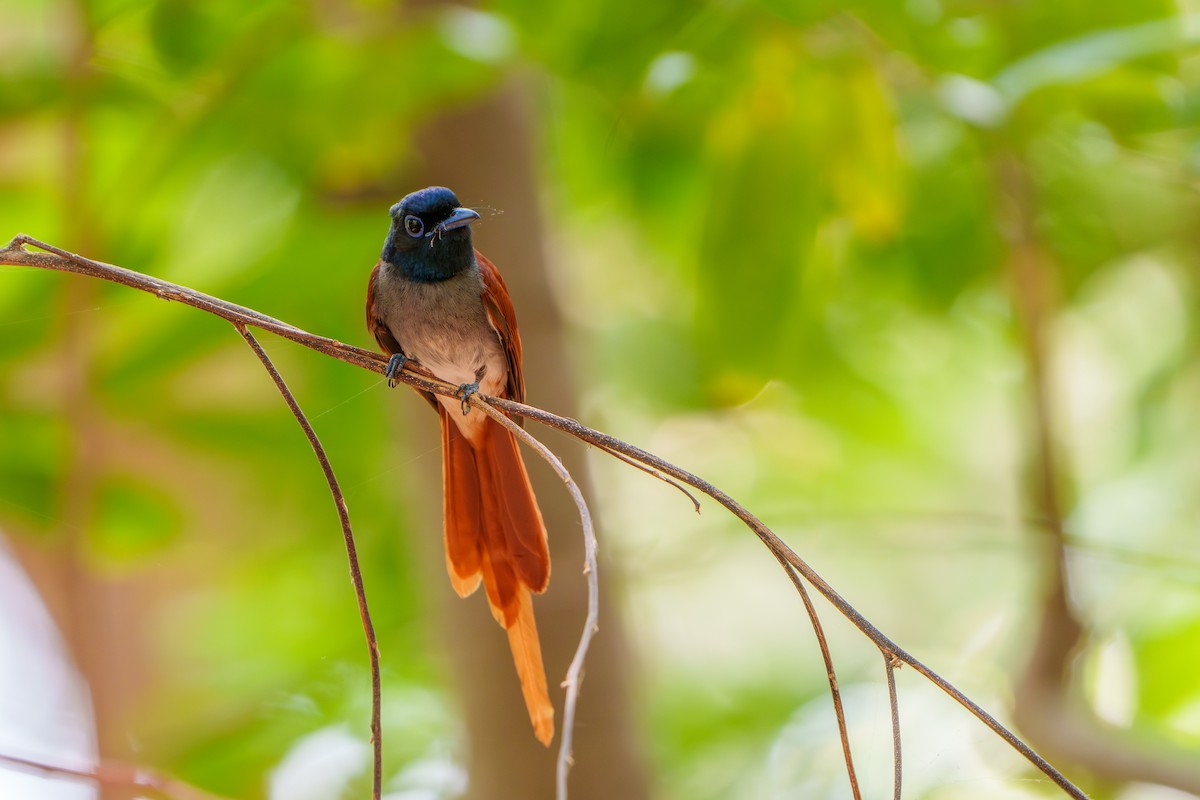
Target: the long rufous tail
(494, 532)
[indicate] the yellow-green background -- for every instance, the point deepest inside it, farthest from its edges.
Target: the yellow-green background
(780, 233)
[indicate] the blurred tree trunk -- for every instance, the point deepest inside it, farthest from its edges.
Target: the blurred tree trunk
(484, 152)
(1048, 704)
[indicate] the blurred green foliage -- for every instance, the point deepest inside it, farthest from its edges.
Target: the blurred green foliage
(782, 251)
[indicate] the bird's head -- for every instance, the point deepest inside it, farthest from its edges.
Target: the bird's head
(430, 237)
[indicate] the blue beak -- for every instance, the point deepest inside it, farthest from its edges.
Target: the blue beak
(461, 218)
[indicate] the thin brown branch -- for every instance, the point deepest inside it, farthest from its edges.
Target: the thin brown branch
(343, 513)
(55, 258)
(15, 255)
(654, 474)
(780, 549)
(115, 774)
(574, 679)
(838, 710)
(889, 665)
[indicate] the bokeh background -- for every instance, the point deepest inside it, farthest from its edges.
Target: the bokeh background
(916, 281)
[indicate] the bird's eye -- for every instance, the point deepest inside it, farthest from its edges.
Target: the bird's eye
(414, 226)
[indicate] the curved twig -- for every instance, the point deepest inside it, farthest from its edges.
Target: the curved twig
(838, 710)
(343, 513)
(574, 677)
(889, 665)
(57, 259)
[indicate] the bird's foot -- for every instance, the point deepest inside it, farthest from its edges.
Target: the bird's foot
(464, 393)
(394, 365)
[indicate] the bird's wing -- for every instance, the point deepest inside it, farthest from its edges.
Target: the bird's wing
(503, 318)
(375, 324)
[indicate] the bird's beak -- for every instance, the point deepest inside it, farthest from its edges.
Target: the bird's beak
(461, 218)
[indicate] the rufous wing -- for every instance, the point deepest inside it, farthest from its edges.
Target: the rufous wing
(503, 317)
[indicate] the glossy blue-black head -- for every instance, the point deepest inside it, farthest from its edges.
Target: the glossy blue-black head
(430, 237)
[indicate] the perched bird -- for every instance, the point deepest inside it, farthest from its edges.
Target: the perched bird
(436, 301)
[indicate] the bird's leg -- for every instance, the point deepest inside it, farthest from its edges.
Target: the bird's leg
(394, 365)
(465, 390)
(464, 393)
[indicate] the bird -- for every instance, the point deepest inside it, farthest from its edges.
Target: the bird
(435, 301)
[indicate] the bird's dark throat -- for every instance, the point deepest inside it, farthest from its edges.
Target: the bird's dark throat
(435, 259)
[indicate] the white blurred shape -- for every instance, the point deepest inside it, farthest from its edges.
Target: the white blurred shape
(435, 777)
(1083, 57)
(319, 766)
(972, 100)
(670, 71)
(477, 35)
(1114, 688)
(45, 713)
(1143, 791)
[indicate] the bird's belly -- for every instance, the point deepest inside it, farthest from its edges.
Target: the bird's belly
(486, 366)
(459, 364)
(490, 370)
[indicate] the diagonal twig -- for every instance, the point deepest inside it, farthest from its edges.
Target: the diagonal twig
(781, 550)
(654, 474)
(343, 512)
(116, 774)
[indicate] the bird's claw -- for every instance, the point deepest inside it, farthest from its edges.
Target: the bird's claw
(464, 393)
(394, 365)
